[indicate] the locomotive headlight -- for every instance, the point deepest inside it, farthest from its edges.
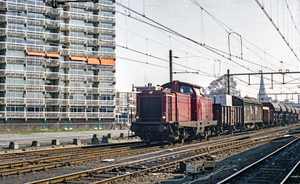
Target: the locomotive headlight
(163, 116)
(137, 117)
(150, 92)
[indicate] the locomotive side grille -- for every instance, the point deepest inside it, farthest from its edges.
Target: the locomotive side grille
(150, 108)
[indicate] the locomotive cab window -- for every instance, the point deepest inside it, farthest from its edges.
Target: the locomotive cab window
(186, 90)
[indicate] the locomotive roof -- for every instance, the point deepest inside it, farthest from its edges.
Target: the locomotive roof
(169, 85)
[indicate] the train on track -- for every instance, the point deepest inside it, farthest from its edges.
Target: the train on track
(181, 111)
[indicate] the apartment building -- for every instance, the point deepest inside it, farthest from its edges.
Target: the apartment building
(57, 65)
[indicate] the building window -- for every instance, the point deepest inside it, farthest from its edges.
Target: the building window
(14, 94)
(106, 85)
(34, 68)
(106, 37)
(36, 2)
(77, 84)
(106, 2)
(35, 42)
(15, 40)
(34, 95)
(106, 26)
(106, 14)
(16, 26)
(35, 28)
(39, 82)
(15, 53)
(15, 81)
(105, 49)
(14, 108)
(15, 67)
(35, 15)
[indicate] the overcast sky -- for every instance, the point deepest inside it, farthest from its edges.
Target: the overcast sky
(263, 47)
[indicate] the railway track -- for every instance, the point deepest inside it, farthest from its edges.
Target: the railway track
(273, 168)
(51, 159)
(153, 163)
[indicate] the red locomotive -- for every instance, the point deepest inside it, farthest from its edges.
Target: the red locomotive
(179, 111)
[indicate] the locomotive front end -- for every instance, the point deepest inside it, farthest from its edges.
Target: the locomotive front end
(153, 117)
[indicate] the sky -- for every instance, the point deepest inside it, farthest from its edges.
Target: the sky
(142, 51)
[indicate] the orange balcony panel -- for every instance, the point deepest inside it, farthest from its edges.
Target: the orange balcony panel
(93, 61)
(105, 61)
(78, 58)
(53, 55)
(33, 53)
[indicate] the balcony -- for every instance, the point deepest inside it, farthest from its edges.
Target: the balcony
(92, 102)
(51, 101)
(64, 65)
(92, 78)
(77, 65)
(107, 103)
(64, 90)
(92, 6)
(107, 31)
(109, 55)
(36, 9)
(77, 77)
(64, 39)
(92, 18)
(76, 114)
(108, 68)
(13, 32)
(52, 75)
(93, 42)
(50, 115)
(35, 115)
(35, 61)
(77, 40)
(35, 35)
(92, 115)
(107, 115)
(106, 79)
(52, 88)
(52, 62)
(35, 101)
(16, 6)
(52, 23)
(108, 44)
(52, 36)
(93, 54)
(12, 46)
(13, 60)
(77, 5)
(14, 73)
(76, 90)
(77, 28)
(92, 90)
(34, 88)
(15, 87)
(109, 20)
(36, 75)
(15, 114)
(37, 48)
(112, 91)
(77, 16)
(65, 15)
(64, 76)
(107, 8)
(36, 22)
(64, 27)
(15, 101)
(52, 49)
(77, 102)
(74, 52)
(64, 52)
(53, 11)
(92, 30)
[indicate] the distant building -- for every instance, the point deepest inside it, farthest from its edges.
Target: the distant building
(262, 96)
(145, 88)
(125, 107)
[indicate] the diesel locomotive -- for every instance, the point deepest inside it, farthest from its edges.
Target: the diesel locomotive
(181, 111)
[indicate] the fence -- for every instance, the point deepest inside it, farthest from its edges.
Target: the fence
(45, 125)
